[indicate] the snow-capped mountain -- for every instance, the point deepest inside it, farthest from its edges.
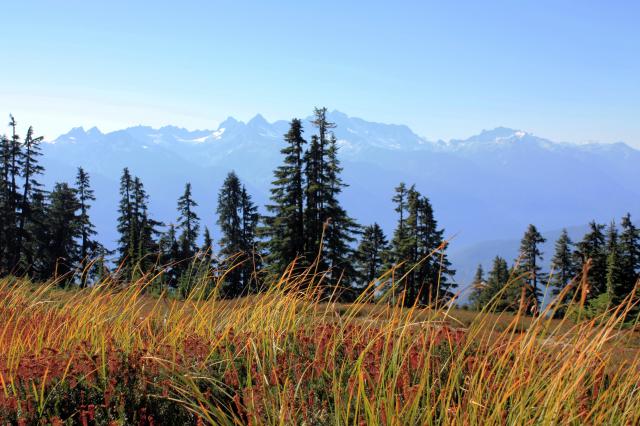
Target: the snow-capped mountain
(487, 187)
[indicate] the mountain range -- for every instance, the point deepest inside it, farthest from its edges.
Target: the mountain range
(485, 189)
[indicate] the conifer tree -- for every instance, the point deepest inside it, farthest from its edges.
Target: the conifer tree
(146, 247)
(435, 271)
(170, 255)
(5, 216)
(231, 240)
(126, 241)
(341, 229)
(495, 291)
(592, 249)
(478, 287)
(12, 161)
(529, 267)
(38, 231)
(614, 279)
(189, 223)
(249, 248)
(15, 163)
(29, 173)
(207, 244)
(136, 245)
(371, 254)
(88, 246)
(629, 244)
(285, 225)
(563, 266)
(313, 217)
(419, 250)
(400, 245)
(317, 185)
(63, 227)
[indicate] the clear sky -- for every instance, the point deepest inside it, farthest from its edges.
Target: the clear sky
(566, 70)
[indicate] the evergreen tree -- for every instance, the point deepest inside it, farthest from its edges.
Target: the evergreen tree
(4, 204)
(592, 249)
(493, 291)
(207, 245)
(136, 245)
(248, 245)
(285, 225)
(529, 267)
(88, 247)
(11, 159)
(38, 231)
(318, 190)
(313, 217)
(29, 172)
(146, 247)
(371, 253)
(419, 250)
(231, 241)
(614, 279)
(435, 271)
(15, 162)
(62, 252)
(189, 223)
(126, 224)
(400, 245)
(563, 266)
(339, 235)
(478, 287)
(629, 253)
(170, 255)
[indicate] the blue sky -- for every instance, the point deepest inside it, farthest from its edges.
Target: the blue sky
(567, 70)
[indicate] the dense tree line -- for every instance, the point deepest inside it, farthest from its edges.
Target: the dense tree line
(42, 234)
(599, 271)
(50, 234)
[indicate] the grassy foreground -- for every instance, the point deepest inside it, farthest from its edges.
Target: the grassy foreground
(115, 356)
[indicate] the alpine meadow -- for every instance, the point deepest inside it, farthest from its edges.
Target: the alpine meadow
(321, 269)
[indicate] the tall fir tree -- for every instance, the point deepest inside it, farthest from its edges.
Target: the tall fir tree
(629, 243)
(615, 285)
(4, 204)
(38, 231)
(12, 161)
(313, 212)
(496, 296)
(284, 227)
(419, 250)
(170, 255)
(14, 169)
(88, 246)
(371, 254)
(249, 247)
(592, 249)
(529, 268)
(478, 287)
(189, 223)
(564, 270)
(126, 242)
(29, 173)
(137, 248)
(146, 247)
(317, 186)
(340, 231)
(62, 251)
(238, 219)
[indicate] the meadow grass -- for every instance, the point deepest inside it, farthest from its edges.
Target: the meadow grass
(114, 354)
